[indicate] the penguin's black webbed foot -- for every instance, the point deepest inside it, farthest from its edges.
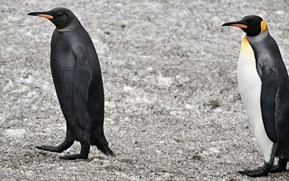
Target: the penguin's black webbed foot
(259, 172)
(83, 153)
(280, 167)
(254, 173)
(50, 148)
(277, 168)
(74, 157)
(59, 149)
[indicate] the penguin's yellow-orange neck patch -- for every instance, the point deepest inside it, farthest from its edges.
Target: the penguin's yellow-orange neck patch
(245, 41)
(246, 51)
(263, 26)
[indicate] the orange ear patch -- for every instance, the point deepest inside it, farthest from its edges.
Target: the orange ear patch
(240, 25)
(263, 26)
(45, 16)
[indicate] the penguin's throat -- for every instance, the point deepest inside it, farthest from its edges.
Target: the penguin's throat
(259, 38)
(245, 41)
(61, 26)
(246, 51)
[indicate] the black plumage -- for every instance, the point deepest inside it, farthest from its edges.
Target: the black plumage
(78, 82)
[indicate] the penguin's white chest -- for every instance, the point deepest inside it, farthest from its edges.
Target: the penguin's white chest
(250, 89)
(249, 83)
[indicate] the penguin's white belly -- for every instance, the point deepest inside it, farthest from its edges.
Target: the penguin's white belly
(250, 89)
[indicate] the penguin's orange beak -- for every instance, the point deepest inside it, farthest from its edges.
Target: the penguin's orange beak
(41, 14)
(236, 24)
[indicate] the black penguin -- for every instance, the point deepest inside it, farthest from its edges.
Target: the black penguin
(264, 87)
(78, 82)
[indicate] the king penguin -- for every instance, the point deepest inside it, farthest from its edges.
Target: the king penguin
(264, 87)
(78, 82)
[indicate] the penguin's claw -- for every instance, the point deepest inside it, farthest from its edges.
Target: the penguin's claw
(50, 148)
(277, 168)
(74, 157)
(259, 172)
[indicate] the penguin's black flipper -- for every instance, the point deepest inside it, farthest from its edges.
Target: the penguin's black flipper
(81, 83)
(268, 104)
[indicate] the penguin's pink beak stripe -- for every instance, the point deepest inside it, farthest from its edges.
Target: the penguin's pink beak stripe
(240, 25)
(45, 16)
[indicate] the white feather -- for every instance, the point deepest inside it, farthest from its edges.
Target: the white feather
(250, 89)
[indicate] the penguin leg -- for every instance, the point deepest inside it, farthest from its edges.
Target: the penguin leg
(280, 167)
(260, 171)
(85, 146)
(69, 140)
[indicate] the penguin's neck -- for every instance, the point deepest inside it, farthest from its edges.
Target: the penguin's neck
(259, 38)
(246, 53)
(73, 25)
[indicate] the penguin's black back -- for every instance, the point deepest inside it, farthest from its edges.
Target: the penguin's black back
(270, 65)
(63, 64)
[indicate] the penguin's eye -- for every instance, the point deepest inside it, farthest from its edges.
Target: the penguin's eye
(59, 14)
(62, 17)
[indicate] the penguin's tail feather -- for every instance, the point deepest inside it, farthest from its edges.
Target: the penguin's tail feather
(100, 142)
(106, 150)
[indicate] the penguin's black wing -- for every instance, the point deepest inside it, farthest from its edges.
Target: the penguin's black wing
(268, 58)
(268, 104)
(82, 78)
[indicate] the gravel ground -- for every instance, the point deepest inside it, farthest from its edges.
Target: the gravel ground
(173, 111)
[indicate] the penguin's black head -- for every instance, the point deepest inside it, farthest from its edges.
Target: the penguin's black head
(251, 25)
(60, 17)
